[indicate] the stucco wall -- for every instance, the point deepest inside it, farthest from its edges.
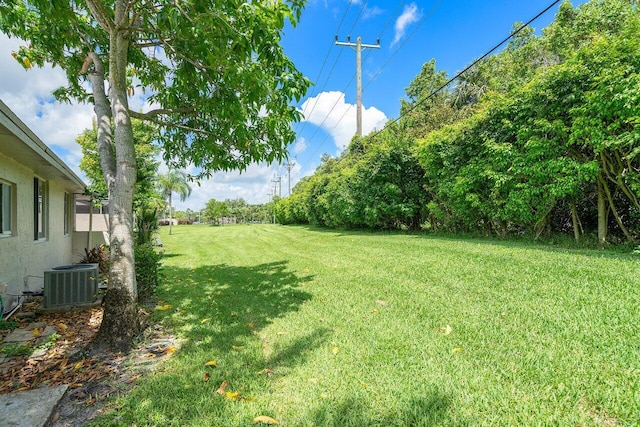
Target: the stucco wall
(81, 242)
(22, 259)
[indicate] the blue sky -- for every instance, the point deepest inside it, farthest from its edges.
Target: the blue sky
(453, 32)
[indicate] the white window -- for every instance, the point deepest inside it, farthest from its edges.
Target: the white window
(6, 208)
(40, 209)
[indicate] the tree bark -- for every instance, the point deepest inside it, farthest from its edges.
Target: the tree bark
(170, 219)
(602, 214)
(121, 320)
(615, 212)
(575, 219)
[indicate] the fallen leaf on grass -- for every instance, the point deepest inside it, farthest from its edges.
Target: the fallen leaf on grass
(375, 310)
(263, 419)
(335, 350)
(381, 302)
(170, 350)
(233, 395)
(237, 347)
(220, 389)
(211, 363)
(206, 376)
(133, 378)
(446, 330)
(205, 320)
(163, 307)
(281, 333)
(265, 371)
(456, 350)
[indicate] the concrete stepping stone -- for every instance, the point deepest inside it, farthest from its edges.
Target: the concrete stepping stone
(24, 334)
(30, 408)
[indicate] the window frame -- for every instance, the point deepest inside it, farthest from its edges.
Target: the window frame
(7, 191)
(69, 207)
(40, 209)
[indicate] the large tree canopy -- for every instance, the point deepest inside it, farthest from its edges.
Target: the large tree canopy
(219, 88)
(217, 78)
(146, 164)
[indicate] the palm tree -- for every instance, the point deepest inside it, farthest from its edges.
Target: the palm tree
(173, 181)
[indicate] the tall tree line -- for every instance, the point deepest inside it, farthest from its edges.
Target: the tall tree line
(543, 137)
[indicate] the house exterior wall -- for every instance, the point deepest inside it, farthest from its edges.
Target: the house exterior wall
(81, 241)
(23, 259)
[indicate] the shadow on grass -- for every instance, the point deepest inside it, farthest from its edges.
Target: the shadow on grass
(555, 244)
(430, 410)
(223, 313)
(171, 255)
(220, 312)
(237, 301)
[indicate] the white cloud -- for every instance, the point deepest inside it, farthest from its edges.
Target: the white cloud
(372, 12)
(28, 94)
(330, 111)
(410, 14)
(300, 146)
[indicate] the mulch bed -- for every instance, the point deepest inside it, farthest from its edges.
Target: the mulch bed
(93, 377)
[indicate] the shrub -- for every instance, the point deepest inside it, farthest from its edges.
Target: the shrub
(146, 225)
(97, 255)
(147, 271)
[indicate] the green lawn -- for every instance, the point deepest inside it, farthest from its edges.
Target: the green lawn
(324, 328)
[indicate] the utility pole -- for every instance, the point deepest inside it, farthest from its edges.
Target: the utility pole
(289, 165)
(268, 218)
(277, 185)
(359, 47)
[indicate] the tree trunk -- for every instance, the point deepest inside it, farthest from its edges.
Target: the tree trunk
(575, 219)
(121, 321)
(602, 214)
(170, 219)
(615, 212)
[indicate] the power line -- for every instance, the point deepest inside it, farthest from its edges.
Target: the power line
(431, 11)
(359, 46)
(304, 125)
(357, 17)
(322, 90)
(393, 55)
(318, 127)
(391, 18)
(435, 92)
(326, 56)
(289, 165)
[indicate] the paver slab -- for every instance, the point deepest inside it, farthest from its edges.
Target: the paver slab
(30, 408)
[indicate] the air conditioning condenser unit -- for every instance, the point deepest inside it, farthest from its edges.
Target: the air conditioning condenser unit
(70, 285)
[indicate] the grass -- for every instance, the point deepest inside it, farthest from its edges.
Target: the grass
(322, 328)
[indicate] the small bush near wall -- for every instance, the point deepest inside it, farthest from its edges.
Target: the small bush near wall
(147, 271)
(97, 255)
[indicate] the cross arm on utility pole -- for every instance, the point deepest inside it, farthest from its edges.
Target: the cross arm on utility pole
(359, 46)
(289, 165)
